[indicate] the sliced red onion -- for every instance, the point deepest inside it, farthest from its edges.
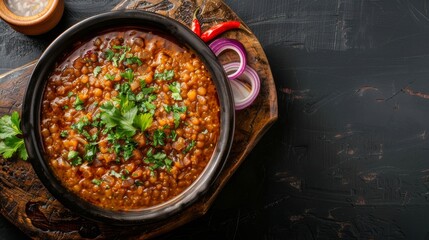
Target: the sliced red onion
(245, 88)
(222, 44)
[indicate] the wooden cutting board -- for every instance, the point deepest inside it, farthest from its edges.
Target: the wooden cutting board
(25, 202)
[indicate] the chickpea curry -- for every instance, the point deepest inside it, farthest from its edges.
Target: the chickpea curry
(130, 119)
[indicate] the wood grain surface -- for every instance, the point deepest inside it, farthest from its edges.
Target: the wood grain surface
(25, 202)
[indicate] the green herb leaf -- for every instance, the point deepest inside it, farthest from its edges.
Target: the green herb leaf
(64, 133)
(83, 122)
(173, 135)
(175, 88)
(97, 181)
(90, 152)
(9, 141)
(158, 160)
(115, 61)
(78, 104)
(9, 125)
(166, 75)
(109, 77)
(189, 147)
(132, 60)
(10, 145)
(147, 91)
(128, 74)
(143, 121)
(108, 54)
(115, 174)
(96, 71)
(176, 112)
(159, 137)
(74, 158)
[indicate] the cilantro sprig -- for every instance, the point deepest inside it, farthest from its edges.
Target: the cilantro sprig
(158, 160)
(166, 75)
(122, 55)
(10, 137)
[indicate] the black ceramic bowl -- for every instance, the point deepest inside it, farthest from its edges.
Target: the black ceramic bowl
(31, 114)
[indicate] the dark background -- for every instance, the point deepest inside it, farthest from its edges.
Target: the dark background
(349, 155)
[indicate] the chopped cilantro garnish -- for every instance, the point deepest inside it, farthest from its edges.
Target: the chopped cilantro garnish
(109, 77)
(189, 147)
(122, 119)
(158, 160)
(143, 121)
(96, 71)
(146, 91)
(158, 137)
(115, 60)
(74, 158)
(97, 181)
(81, 124)
(175, 88)
(10, 143)
(173, 135)
(109, 54)
(176, 112)
(166, 75)
(90, 152)
(115, 174)
(128, 74)
(64, 133)
(132, 60)
(69, 94)
(78, 104)
(125, 48)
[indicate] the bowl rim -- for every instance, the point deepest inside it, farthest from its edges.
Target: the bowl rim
(31, 115)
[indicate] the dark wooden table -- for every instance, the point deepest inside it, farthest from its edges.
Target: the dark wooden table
(349, 155)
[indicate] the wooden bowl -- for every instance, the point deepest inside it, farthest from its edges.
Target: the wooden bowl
(36, 24)
(32, 105)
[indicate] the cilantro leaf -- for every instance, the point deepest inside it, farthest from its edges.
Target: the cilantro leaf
(78, 104)
(83, 122)
(115, 60)
(175, 88)
(97, 181)
(158, 137)
(74, 158)
(128, 74)
(64, 133)
(122, 120)
(158, 160)
(143, 121)
(9, 125)
(115, 174)
(176, 112)
(10, 143)
(109, 54)
(96, 71)
(166, 75)
(189, 147)
(173, 135)
(132, 60)
(90, 152)
(109, 77)
(126, 123)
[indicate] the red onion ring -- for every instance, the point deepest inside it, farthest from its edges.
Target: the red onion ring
(243, 94)
(222, 44)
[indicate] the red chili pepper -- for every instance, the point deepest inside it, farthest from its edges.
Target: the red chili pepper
(196, 27)
(220, 28)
